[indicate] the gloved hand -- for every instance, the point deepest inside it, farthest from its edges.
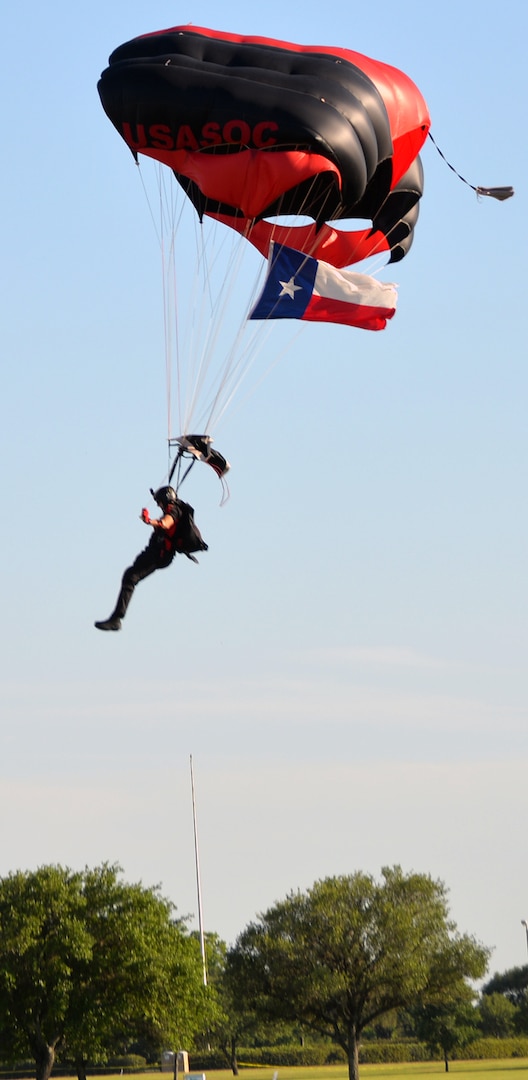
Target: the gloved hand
(145, 516)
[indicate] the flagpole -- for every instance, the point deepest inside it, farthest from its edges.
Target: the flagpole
(198, 883)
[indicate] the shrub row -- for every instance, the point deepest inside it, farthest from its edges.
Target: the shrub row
(27, 1072)
(127, 1061)
(387, 1052)
(481, 1049)
(287, 1055)
(272, 1055)
(382, 1052)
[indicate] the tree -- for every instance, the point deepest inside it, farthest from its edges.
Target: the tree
(448, 1024)
(231, 1022)
(88, 962)
(497, 1015)
(513, 984)
(350, 950)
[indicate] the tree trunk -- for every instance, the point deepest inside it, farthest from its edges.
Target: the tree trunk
(234, 1062)
(229, 1049)
(44, 1061)
(80, 1068)
(353, 1057)
(446, 1063)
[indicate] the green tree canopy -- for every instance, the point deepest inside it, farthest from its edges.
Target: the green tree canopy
(87, 962)
(449, 1023)
(231, 1020)
(350, 950)
(497, 1016)
(513, 983)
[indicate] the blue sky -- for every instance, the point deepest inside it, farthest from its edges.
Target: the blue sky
(347, 666)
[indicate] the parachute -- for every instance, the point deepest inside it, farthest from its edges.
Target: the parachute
(254, 128)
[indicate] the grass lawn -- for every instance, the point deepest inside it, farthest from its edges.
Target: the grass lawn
(508, 1069)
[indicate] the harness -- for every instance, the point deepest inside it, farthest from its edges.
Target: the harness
(184, 539)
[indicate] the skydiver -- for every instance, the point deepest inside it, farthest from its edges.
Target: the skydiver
(174, 532)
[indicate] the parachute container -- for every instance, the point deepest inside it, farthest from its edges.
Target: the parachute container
(200, 448)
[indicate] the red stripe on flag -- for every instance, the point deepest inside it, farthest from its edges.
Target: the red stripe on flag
(321, 309)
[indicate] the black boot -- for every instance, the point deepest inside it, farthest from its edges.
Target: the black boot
(109, 624)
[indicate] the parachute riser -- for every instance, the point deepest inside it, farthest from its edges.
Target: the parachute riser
(177, 465)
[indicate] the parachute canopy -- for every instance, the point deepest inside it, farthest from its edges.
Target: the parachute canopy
(255, 128)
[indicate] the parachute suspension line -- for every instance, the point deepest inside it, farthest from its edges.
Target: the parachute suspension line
(500, 193)
(195, 300)
(170, 220)
(205, 312)
(203, 309)
(236, 362)
(240, 359)
(147, 198)
(199, 308)
(238, 366)
(165, 227)
(248, 355)
(166, 324)
(193, 305)
(252, 351)
(229, 271)
(241, 356)
(374, 269)
(206, 306)
(177, 464)
(170, 464)
(304, 209)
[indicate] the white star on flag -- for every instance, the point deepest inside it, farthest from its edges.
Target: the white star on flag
(289, 288)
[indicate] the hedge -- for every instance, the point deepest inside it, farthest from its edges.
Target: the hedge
(379, 1052)
(127, 1061)
(383, 1051)
(480, 1049)
(321, 1054)
(387, 1052)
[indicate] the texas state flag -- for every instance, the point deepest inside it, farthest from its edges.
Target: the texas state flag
(299, 287)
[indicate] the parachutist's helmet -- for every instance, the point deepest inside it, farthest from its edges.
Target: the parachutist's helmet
(164, 496)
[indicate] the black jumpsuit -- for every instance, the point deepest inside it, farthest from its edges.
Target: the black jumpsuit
(158, 553)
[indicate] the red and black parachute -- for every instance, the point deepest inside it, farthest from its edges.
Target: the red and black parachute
(255, 128)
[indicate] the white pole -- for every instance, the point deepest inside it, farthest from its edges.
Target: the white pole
(198, 884)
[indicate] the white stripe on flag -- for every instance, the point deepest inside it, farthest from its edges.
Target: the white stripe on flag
(353, 288)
